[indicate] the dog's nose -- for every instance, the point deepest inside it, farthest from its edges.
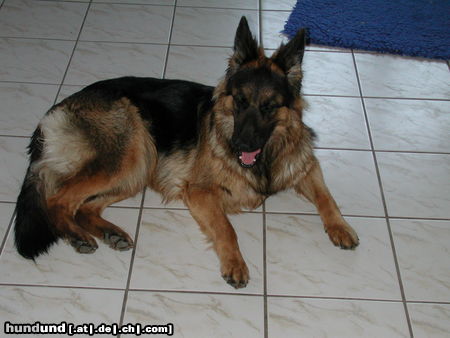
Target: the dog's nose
(241, 144)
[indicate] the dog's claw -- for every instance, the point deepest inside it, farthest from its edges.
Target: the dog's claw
(343, 236)
(118, 242)
(235, 273)
(236, 284)
(83, 247)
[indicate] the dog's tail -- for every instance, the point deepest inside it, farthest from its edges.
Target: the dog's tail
(33, 231)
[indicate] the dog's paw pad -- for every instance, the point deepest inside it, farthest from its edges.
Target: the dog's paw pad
(237, 284)
(84, 247)
(118, 241)
(343, 236)
(236, 275)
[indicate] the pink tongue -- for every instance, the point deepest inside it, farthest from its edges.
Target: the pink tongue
(248, 158)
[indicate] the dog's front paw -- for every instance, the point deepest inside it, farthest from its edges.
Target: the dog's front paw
(118, 241)
(235, 273)
(343, 235)
(84, 246)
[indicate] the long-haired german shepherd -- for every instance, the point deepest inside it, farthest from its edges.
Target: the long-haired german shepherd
(218, 149)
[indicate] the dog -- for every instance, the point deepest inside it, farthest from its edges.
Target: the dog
(220, 150)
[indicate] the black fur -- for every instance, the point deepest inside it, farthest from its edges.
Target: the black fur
(33, 234)
(172, 107)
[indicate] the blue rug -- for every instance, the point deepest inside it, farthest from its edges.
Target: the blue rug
(405, 27)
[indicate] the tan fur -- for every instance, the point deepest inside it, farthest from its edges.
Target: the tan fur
(66, 149)
(314, 189)
(69, 154)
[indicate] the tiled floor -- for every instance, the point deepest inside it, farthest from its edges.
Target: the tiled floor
(384, 142)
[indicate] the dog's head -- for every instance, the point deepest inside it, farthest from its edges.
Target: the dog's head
(258, 92)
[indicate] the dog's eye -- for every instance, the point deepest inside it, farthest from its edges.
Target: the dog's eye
(241, 101)
(269, 108)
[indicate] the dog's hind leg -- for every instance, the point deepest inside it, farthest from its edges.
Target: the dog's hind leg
(314, 189)
(89, 218)
(206, 209)
(63, 206)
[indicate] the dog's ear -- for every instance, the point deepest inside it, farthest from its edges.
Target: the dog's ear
(245, 46)
(289, 58)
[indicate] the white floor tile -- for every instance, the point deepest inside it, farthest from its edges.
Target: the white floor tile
(394, 76)
(335, 318)
(338, 122)
(242, 4)
(130, 23)
(286, 5)
(13, 165)
(197, 315)
(34, 60)
(173, 254)
(422, 251)
(139, 2)
(272, 24)
(430, 320)
(206, 65)
(21, 304)
(6, 212)
(99, 61)
(41, 19)
(329, 74)
(416, 185)
(63, 266)
(23, 105)
(352, 180)
(209, 27)
(302, 261)
(409, 125)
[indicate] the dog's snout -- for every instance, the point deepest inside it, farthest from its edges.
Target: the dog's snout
(243, 144)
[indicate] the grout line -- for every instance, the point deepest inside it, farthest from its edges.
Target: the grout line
(413, 152)
(266, 312)
(338, 298)
(73, 52)
(260, 26)
(163, 75)
(358, 216)
(228, 47)
(62, 286)
(377, 97)
(222, 8)
(387, 151)
(195, 292)
(36, 37)
(123, 207)
(8, 229)
(68, 1)
(30, 82)
(265, 309)
(132, 4)
(427, 302)
(384, 300)
(391, 238)
(133, 254)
